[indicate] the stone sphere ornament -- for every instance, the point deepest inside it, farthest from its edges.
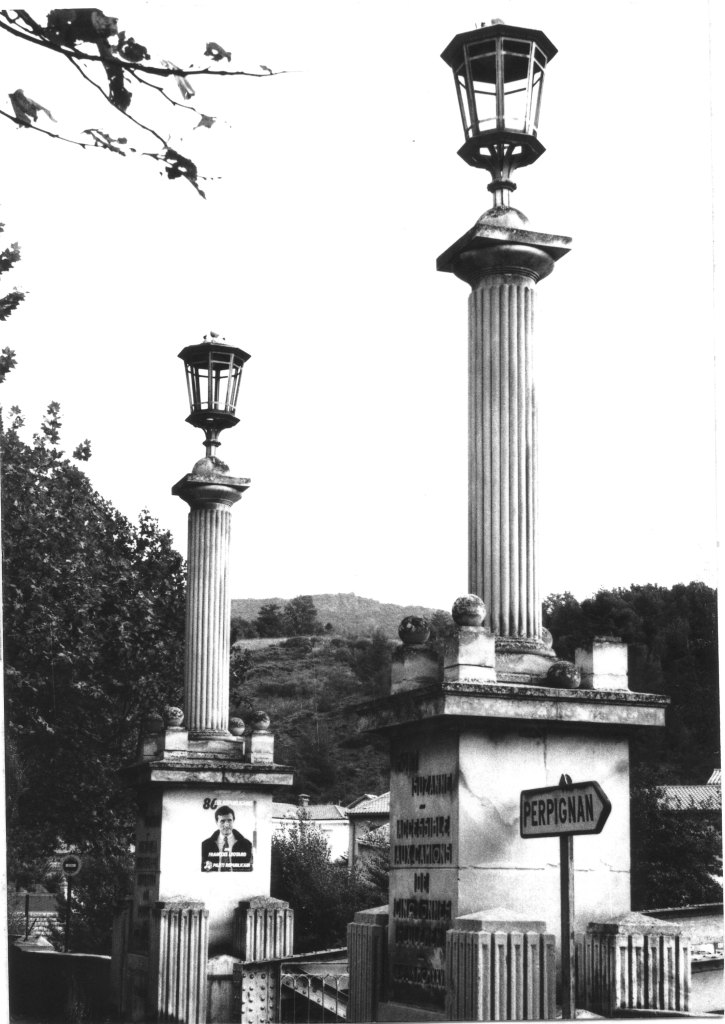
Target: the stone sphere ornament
(547, 638)
(173, 717)
(468, 610)
(261, 723)
(414, 629)
(563, 675)
(236, 726)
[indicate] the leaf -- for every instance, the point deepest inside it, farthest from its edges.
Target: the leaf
(27, 110)
(217, 52)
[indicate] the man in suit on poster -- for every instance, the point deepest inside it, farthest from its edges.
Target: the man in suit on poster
(226, 849)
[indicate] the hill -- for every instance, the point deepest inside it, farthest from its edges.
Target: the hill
(348, 614)
(308, 686)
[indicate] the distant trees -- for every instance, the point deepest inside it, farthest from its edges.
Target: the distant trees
(296, 617)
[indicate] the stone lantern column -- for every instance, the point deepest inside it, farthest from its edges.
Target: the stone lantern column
(502, 261)
(210, 493)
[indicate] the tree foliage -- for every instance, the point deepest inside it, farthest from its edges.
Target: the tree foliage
(323, 895)
(673, 649)
(676, 855)
(94, 623)
(116, 64)
(8, 302)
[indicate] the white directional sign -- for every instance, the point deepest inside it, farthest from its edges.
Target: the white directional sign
(580, 808)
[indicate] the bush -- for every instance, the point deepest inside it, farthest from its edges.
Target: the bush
(323, 895)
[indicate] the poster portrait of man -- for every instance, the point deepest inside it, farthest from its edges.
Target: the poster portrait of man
(226, 849)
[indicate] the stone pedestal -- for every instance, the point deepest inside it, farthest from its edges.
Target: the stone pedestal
(502, 260)
(633, 963)
(461, 753)
(500, 966)
(367, 940)
(263, 929)
(177, 974)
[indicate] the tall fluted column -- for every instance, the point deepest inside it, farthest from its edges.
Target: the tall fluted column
(210, 493)
(502, 261)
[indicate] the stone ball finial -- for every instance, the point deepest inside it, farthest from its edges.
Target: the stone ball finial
(547, 638)
(563, 675)
(173, 717)
(414, 629)
(468, 610)
(261, 722)
(236, 726)
(152, 722)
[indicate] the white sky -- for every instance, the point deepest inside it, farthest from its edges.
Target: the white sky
(315, 251)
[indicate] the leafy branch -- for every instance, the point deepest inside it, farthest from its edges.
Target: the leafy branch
(70, 32)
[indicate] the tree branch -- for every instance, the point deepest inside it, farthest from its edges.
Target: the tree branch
(149, 69)
(44, 131)
(125, 113)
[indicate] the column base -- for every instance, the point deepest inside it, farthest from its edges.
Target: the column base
(210, 734)
(523, 660)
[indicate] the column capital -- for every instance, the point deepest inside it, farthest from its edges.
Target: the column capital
(209, 485)
(491, 247)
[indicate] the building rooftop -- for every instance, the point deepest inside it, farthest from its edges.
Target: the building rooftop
(377, 805)
(691, 798)
(715, 779)
(377, 837)
(316, 812)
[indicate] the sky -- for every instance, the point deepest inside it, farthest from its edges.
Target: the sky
(335, 187)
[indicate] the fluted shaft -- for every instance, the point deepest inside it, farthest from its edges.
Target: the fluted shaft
(206, 672)
(206, 663)
(502, 454)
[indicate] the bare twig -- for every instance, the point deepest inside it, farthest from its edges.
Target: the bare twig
(44, 131)
(125, 113)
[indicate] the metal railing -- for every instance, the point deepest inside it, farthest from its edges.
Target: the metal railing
(313, 992)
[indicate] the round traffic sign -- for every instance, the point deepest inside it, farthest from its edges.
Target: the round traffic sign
(71, 864)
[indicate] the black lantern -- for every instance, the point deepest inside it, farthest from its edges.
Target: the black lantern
(499, 76)
(213, 375)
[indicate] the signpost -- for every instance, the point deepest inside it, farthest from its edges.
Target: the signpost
(71, 866)
(567, 810)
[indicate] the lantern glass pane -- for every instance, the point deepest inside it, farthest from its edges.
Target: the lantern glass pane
(536, 100)
(480, 69)
(516, 82)
(463, 102)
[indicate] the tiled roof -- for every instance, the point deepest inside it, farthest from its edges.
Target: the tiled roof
(376, 836)
(378, 805)
(715, 779)
(316, 812)
(691, 798)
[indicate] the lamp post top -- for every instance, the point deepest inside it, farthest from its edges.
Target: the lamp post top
(496, 30)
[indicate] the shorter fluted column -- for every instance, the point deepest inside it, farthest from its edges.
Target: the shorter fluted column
(210, 493)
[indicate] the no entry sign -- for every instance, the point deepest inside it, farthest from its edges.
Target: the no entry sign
(578, 809)
(71, 865)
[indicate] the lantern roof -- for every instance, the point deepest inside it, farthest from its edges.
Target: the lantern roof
(454, 51)
(201, 350)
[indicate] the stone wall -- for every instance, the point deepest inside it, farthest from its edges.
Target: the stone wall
(48, 985)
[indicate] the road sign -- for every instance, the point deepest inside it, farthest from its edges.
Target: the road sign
(71, 865)
(566, 810)
(579, 809)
